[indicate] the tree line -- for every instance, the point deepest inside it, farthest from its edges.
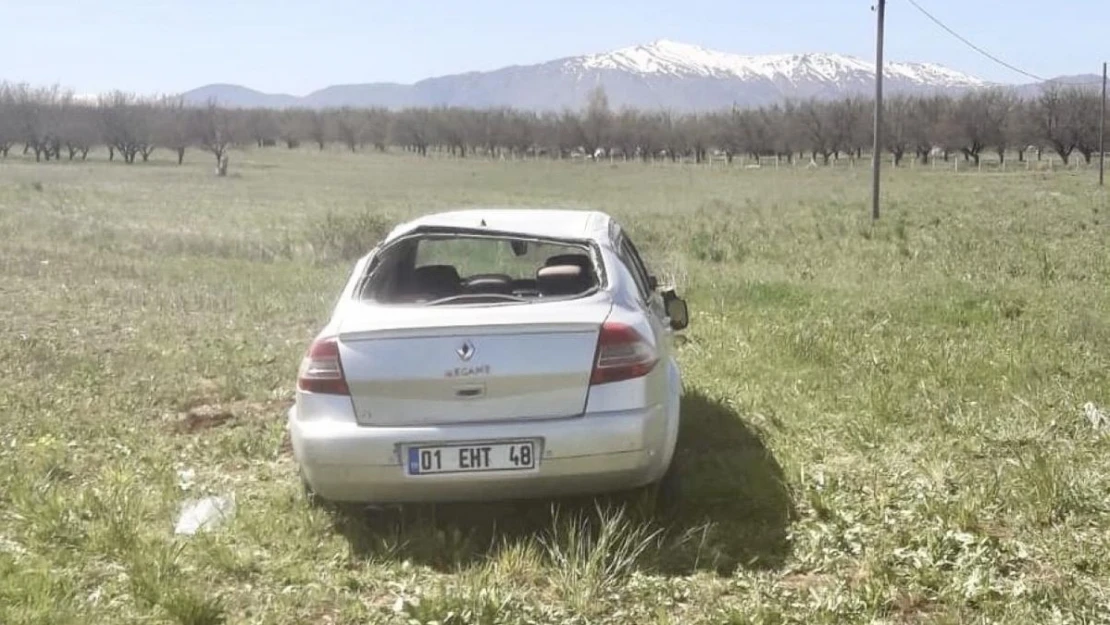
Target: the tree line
(52, 124)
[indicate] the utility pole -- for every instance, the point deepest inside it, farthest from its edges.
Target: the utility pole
(876, 152)
(1102, 133)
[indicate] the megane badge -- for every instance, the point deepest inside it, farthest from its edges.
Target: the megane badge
(465, 351)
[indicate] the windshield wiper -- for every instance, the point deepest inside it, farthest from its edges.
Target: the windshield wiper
(472, 296)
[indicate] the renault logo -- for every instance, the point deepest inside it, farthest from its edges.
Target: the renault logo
(465, 351)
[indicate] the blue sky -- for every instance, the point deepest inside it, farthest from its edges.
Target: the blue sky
(296, 46)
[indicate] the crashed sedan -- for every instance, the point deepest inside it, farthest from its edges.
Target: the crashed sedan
(492, 354)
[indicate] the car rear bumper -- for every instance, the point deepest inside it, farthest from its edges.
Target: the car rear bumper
(593, 453)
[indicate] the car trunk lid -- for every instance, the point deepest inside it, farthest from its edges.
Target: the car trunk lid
(425, 365)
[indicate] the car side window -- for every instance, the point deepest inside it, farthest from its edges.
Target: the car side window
(635, 266)
(640, 264)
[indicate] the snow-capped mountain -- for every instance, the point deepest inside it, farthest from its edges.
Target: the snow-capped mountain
(681, 59)
(662, 74)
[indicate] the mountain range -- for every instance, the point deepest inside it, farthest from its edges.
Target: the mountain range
(662, 74)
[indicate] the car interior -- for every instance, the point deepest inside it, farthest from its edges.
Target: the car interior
(562, 275)
(559, 275)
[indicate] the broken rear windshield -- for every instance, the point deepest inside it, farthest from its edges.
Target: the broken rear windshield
(444, 268)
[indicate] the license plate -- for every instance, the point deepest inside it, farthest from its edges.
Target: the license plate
(472, 458)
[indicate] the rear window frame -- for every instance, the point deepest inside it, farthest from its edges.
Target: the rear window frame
(591, 247)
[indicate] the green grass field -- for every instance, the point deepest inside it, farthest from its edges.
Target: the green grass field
(883, 423)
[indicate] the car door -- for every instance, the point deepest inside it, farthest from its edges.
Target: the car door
(649, 297)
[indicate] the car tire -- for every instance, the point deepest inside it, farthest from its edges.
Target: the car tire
(668, 489)
(659, 498)
(311, 496)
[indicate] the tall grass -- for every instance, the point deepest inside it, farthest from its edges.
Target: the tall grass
(592, 556)
(883, 422)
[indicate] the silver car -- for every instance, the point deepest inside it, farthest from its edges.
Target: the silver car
(492, 354)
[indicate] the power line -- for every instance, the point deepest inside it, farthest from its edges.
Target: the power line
(991, 56)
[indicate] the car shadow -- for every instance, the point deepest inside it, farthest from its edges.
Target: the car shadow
(732, 510)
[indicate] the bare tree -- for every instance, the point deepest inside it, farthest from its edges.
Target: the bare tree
(670, 135)
(849, 122)
(974, 123)
(1083, 113)
(547, 134)
(651, 129)
(697, 133)
(31, 109)
(926, 131)
(78, 127)
(262, 127)
(349, 126)
(294, 126)
(816, 128)
(1021, 130)
(215, 132)
(9, 131)
(146, 133)
(50, 122)
(1051, 116)
(376, 129)
(1003, 116)
(52, 118)
(519, 132)
(783, 129)
(596, 123)
(488, 132)
(413, 129)
(318, 128)
(452, 130)
(725, 127)
(757, 132)
(899, 123)
(174, 126)
(126, 125)
(570, 134)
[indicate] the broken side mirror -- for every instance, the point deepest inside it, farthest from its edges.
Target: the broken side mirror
(677, 312)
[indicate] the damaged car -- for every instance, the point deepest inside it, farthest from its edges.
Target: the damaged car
(486, 354)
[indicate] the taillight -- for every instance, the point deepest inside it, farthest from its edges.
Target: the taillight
(321, 371)
(622, 354)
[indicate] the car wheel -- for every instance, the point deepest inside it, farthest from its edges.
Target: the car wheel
(668, 490)
(659, 498)
(314, 500)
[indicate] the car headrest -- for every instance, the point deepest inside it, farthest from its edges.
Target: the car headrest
(580, 260)
(437, 279)
(559, 272)
(562, 280)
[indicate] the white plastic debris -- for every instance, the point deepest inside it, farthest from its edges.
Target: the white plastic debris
(1098, 418)
(204, 514)
(8, 545)
(185, 478)
(404, 604)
